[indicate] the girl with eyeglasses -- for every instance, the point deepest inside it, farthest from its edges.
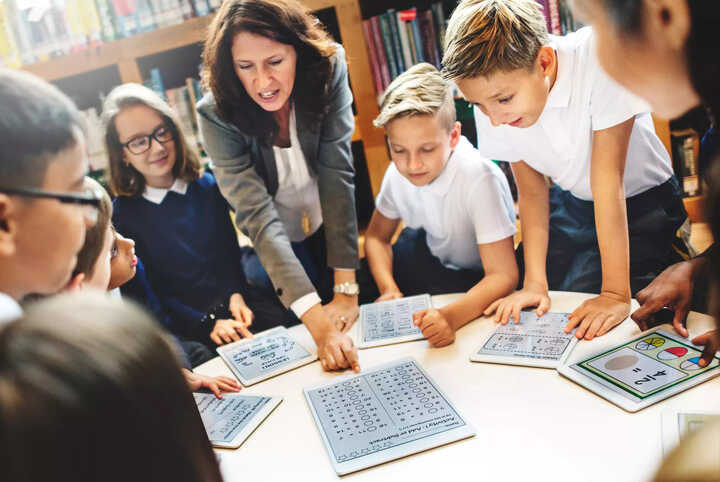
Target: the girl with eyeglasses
(180, 223)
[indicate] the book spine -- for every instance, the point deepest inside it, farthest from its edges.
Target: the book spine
(415, 24)
(8, 47)
(107, 20)
(380, 52)
(387, 43)
(156, 82)
(428, 35)
(395, 39)
(546, 12)
(404, 42)
(411, 41)
(370, 43)
(439, 17)
(554, 9)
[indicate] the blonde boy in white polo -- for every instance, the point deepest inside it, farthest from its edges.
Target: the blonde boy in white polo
(455, 204)
(608, 225)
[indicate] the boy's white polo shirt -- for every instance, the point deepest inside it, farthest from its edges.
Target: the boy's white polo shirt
(468, 204)
(582, 100)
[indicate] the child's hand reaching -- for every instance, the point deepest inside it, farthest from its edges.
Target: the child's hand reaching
(711, 340)
(240, 310)
(530, 295)
(217, 385)
(227, 331)
(435, 327)
(598, 315)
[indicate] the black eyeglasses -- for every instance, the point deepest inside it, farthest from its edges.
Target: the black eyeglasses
(89, 199)
(138, 145)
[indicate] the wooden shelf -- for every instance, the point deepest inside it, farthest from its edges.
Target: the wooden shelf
(124, 54)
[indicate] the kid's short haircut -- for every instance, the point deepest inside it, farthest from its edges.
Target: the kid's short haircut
(37, 121)
(95, 235)
(486, 36)
(420, 90)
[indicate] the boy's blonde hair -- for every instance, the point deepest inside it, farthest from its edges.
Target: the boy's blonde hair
(484, 36)
(419, 90)
(95, 235)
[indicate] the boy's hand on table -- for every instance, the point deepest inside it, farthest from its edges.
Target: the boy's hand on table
(389, 295)
(240, 310)
(711, 340)
(217, 385)
(435, 327)
(531, 295)
(672, 289)
(227, 331)
(597, 316)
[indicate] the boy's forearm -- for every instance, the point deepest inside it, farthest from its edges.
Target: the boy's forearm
(479, 297)
(612, 231)
(380, 258)
(534, 220)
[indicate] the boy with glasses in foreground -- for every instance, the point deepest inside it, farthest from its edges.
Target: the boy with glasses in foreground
(44, 206)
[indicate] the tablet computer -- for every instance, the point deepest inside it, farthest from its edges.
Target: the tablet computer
(643, 371)
(265, 355)
(534, 341)
(382, 414)
(391, 321)
(230, 421)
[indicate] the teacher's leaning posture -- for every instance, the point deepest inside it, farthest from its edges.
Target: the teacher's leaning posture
(277, 122)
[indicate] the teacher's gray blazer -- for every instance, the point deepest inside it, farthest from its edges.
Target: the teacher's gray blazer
(247, 175)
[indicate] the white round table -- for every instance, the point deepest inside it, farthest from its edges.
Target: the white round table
(532, 423)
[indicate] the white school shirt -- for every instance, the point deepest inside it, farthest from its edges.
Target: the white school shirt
(297, 193)
(468, 204)
(582, 100)
(9, 309)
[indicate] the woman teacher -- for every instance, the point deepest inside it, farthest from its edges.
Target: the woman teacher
(277, 122)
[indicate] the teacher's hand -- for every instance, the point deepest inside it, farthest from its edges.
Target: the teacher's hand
(342, 311)
(336, 350)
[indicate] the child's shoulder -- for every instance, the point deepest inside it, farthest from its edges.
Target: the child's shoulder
(472, 165)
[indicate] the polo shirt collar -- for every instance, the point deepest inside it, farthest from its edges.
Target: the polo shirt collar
(156, 195)
(441, 184)
(9, 309)
(559, 95)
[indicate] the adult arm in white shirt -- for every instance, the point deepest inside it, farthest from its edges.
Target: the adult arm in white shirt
(501, 277)
(378, 250)
(533, 197)
(598, 315)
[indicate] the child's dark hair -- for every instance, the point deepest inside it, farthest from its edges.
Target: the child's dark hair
(93, 383)
(37, 121)
(95, 235)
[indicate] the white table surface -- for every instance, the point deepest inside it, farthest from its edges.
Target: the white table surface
(532, 423)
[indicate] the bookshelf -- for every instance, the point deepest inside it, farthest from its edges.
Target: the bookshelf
(122, 61)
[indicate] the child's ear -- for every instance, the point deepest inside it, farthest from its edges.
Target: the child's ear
(455, 133)
(8, 225)
(547, 60)
(75, 283)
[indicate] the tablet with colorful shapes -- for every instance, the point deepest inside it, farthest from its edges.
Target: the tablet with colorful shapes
(644, 370)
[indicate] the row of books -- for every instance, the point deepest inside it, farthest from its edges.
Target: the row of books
(32, 31)
(396, 40)
(558, 16)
